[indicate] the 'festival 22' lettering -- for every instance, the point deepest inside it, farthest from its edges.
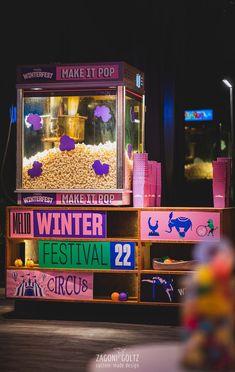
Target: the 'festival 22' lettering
(74, 254)
(86, 254)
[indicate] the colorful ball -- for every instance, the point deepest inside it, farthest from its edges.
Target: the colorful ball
(18, 262)
(206, 326)
(222, 266)
(115, 296)
(205, 275)
(29, 262)
(191, 323)
(123, 296)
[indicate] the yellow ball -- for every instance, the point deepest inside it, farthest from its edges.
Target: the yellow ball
(18, 262)
(205, 275)
(224, 336)
(115, 296)
(29, 262)
(193, 358)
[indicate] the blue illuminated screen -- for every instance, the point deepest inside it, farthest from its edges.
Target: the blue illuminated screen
(198, 115)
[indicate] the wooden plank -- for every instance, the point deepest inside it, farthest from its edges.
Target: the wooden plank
(40, 299)
(177, 272)
(143, 256)
(228, 224)
(36, 267)
(105, 301)
(72, 207)
(123, 209)
(167, 304)
(170, 241)
(79, 239)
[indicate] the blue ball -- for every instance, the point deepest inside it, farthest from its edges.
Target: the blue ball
(206, 326)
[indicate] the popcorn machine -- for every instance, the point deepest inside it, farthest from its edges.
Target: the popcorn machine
(78, 127)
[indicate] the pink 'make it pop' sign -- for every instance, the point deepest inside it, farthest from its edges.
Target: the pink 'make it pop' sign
(88, 72)
(69, 285)
(180, 225)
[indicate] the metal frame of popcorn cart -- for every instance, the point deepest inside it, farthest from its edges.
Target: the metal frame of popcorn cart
(62, 77)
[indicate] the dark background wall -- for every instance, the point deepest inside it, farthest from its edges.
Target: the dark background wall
(185, 47)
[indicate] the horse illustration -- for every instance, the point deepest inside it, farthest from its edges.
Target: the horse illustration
(158, 280)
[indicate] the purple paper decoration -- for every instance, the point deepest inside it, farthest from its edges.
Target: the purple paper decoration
(140, 180)
(99, 168)
(67, 143)
(103, 113)
(133, 114)
(129, 150)
(35, 121)
(36, 170)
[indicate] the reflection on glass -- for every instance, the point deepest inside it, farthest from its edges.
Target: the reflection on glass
(201, 150)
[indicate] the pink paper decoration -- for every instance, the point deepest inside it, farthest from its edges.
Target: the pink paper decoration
(221, 182)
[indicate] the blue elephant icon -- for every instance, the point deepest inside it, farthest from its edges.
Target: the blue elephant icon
(181, 224)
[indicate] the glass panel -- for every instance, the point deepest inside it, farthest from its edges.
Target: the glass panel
(201, 149)
(133, 133)
(69, 140)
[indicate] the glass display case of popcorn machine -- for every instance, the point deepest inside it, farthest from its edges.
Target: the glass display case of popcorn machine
(201, 144)
(78, 128)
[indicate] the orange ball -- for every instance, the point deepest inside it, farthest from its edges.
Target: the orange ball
(168, 260)
(115, 296)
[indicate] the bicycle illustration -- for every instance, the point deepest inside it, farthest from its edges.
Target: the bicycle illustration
(206, 230)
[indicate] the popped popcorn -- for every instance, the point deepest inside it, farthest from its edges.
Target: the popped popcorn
(197, 171)
(72, 169)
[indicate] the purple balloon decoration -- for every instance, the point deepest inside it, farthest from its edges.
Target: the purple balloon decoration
(123, 296)
(35, 121)
(129, 150)
(99, 168)
(67, 143)
(103, 112)
(36, 170)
